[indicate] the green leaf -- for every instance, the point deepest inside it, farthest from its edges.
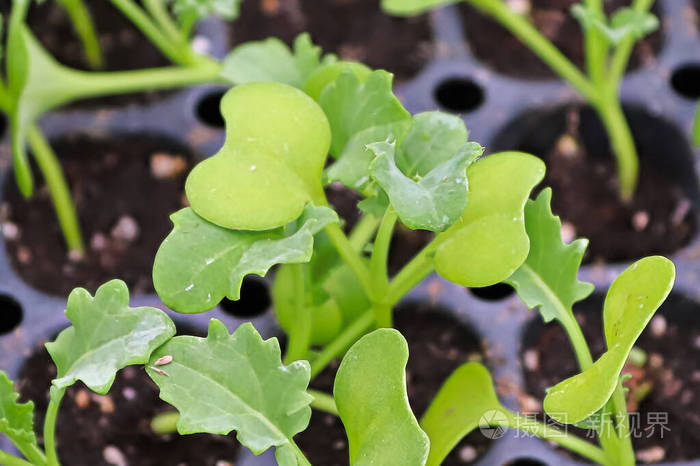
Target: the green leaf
(489, 242)
(548, 278)
(437, 200)
(434, 138)
(625, 22)
(370, 393)
(464, 399)
(106, 335)
(16, 419)
(270, 166)
(353, 105)
(629, 305)
(329, 72)
(352, 167)
(272, 60)
(200, 263)
(412, 7)
(200, 9)
(235, 382)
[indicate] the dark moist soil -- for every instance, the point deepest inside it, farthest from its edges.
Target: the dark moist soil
(124, 47)
(554, 20)
(658, 220)
(353, 29)
(672, 370)
(438, 344)
(93, 429)
(122, 207)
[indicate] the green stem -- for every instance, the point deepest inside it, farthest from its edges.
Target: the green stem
(83, 25)
(363, 231)
(301, 458)
(187, 22)
(141, 20)
(596, 46)
(7, 459)
(613, 118)
(620, 58)
(165, 423)
(300, 336)
(411, 274)
(162, 17)
(521, 28)
(566, 440)
(50, 426)
(342, 342)
(378, 266)
(351, 257)
(578, 341)
(58, 187)
(624, 439)
(323, 402)
(96, 84)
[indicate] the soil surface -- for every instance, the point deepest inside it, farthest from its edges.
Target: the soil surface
(95, 430)
(672, 371)
(123, 46)
(353, 29)
(124, 187)
(553, 19)
(438, 344)
(582, 172)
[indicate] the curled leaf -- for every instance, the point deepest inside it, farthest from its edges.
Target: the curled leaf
(489, 241)
(370, 393)
(236, 382)
(631, 302)
(200, 263)
(106, 335)
(434, 202)
(270, 166)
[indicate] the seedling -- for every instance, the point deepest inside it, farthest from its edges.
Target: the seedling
(608, 42)
(259, 202)
(36, 83)
(83, 26)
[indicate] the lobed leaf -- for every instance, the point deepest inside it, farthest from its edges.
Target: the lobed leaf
(370, 393)
(106, 335)
(200, 263)
(236, 382)
(629, 305)
(489, 241)
(548, 277)
(329, 72)
(353, 105)
(434, 202)
(412, 7)
(270, 166)
(272, 60)
(16, 419)
(465, 399)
